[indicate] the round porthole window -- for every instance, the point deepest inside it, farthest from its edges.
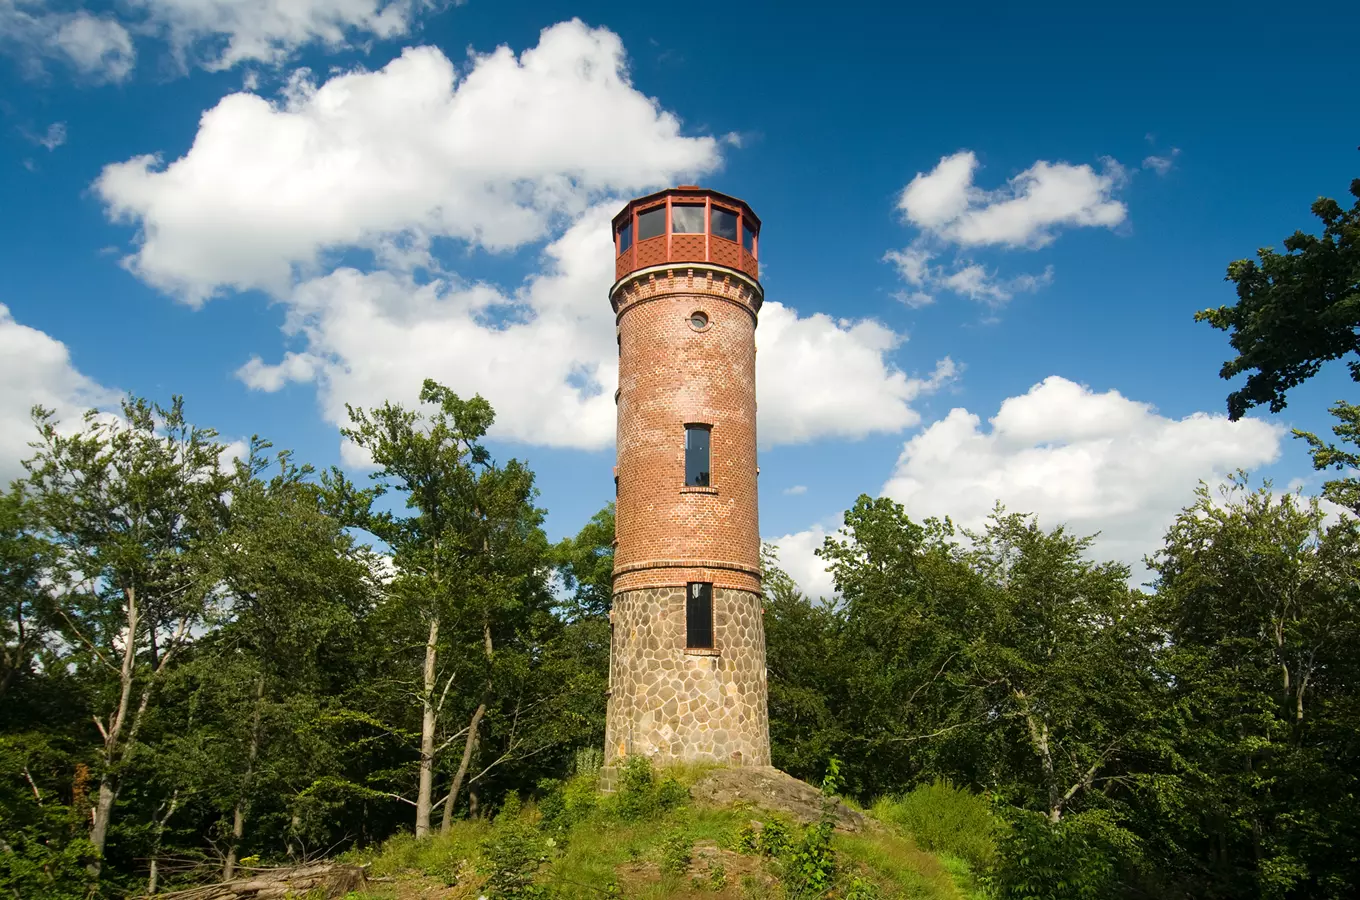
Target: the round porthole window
(698, 320)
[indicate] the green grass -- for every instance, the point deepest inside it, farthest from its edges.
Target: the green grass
(900, 868)
(945, 819)
(580, 844)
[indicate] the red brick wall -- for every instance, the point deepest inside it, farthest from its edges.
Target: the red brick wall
(671, 375)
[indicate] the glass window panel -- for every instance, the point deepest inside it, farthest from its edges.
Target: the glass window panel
(699, 616)
(625, 237)
(652, 223)
(748, 237)
(724, 224)
(687, 219)
(697, 442)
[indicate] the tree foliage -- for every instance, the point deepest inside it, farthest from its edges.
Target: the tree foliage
(1295, 310)
(212, 663)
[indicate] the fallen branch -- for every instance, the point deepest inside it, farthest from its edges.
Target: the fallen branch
(330, 880)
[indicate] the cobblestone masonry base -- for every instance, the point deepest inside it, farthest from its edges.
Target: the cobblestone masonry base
(671, 704)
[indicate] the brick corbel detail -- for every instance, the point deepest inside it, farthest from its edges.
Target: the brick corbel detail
(697, 279)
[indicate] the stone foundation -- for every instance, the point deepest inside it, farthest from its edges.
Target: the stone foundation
(671, 704)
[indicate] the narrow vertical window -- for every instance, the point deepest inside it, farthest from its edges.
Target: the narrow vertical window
(699, 616)
(748, 236)
(698, 439)
(625, 238)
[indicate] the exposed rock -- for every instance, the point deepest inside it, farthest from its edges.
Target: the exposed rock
(768, 788)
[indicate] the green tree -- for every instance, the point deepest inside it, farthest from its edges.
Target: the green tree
(132, 507)
(1295, 311)
(1258, 596)
(295, 580)
(1068, 659)
(807, 684)
(468, 555)
(23, 621)
(585, 563)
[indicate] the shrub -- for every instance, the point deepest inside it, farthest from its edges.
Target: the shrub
(676, 852)
(552, 804)
(946, 819)
(1072, 860)
(746, 839)
(512, 855)
(811, 865)
(511, 807)
(588, 762)
(860, 889)
(671, 794)
(636, 799)
(641, 796)
(774, 838)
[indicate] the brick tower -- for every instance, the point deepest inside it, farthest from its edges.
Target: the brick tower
(687, 654)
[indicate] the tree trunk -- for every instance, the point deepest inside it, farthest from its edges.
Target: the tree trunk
(461, 774)
(427, 724)
(108, 788)
(238, 817)
(153, 880)
(1038, 733)
(470, 744)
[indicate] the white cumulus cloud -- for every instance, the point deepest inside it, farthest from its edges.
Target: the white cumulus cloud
(1094, 461)
(494, 157)
(37, 371)
(963, 277)
(796, 555)
(546, 358)
(98, 47)
(222, 33)
(1024, 213)
(818, 377)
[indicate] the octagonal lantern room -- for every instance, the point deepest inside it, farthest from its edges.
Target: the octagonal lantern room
(686, 224)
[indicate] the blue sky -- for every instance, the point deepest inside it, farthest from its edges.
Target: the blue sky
(1007, 212)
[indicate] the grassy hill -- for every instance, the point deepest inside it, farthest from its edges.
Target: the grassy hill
(651, 840)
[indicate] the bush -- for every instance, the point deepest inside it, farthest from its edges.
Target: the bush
(860, 889)
(676, 852)
(671, 794)
(811, 865)
(641, 796)
(512, 853)
(774, 838)
(745, 840)
(946, 819)
(636, 799)
(1072, 860)
(588, 762)
(552, 803)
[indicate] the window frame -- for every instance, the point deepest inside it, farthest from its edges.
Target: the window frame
(707, 428)
(703, 223)
(665, 223)
(625, 237)
(691, 618)
(714, 209)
